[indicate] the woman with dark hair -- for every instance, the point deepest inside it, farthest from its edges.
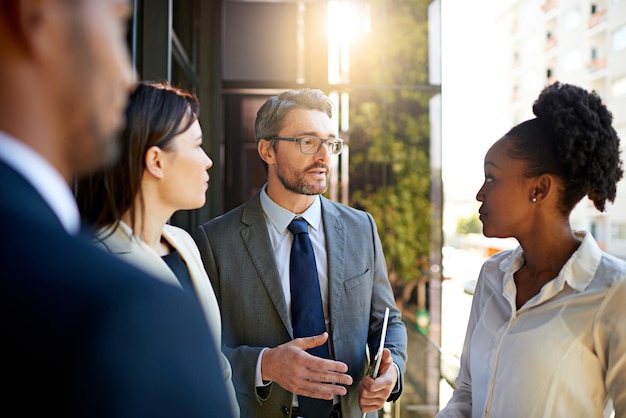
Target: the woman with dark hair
(162, 169)
(547, 330)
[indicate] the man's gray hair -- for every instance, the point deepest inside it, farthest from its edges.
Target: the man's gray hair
(270, 117)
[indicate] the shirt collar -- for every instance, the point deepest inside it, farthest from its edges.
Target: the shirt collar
(44, 178)
(281, 217)
(578, 271)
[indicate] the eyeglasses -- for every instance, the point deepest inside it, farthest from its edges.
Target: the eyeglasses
(312, 144)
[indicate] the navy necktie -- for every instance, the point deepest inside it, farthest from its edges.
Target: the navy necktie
(307, 314)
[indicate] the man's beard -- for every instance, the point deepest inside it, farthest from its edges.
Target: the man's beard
(101, 150)
(299, 185)
(94, 144)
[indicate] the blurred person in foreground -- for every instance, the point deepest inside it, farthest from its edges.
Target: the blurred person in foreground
(547, 330)
(162, 169)
(280, 369)
(84, 334)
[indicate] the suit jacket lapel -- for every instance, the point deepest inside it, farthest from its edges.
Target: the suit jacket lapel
(257, 241)
(201, 284)
(131, 249)
(335, 245)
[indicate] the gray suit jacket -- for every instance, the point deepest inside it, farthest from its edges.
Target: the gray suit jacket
(237, 254)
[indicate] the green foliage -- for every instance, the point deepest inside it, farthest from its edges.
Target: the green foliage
(469, 225)
(389, 137)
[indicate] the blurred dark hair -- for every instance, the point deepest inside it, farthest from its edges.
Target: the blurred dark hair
(573, 139)
(156, 113)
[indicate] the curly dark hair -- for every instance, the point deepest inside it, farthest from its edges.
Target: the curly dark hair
(572, 138)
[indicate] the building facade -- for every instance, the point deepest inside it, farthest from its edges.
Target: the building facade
(580, 42)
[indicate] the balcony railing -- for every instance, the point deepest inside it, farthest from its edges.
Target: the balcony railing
(597, 17)
(549, 5)
(550, 43)
(597, 64)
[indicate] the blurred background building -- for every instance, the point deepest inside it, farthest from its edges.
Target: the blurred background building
(528, 45)
(580, 42)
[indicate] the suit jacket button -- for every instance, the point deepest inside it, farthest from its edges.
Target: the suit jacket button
(285, 410)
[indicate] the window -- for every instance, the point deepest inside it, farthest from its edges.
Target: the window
(618, 40)
(574, 59)
(572, 19)
(618, 86)
(618, 231)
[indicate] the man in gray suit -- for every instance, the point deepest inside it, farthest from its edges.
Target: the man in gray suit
(247, 256)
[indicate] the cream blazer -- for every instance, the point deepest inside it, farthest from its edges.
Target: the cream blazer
(130, 248)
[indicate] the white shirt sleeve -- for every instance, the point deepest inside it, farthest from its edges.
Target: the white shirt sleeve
(259, 377)
(610, 340)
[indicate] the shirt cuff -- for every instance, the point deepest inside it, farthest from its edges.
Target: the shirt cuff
(258, 380)
(396, 388)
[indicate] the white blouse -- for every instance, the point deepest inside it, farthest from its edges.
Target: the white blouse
(562, 354)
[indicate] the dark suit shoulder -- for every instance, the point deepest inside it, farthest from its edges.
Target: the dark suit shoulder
(90, 336)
